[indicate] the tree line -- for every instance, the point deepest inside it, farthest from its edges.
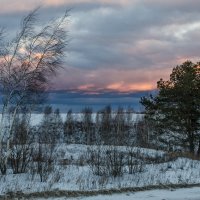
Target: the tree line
(32, 146)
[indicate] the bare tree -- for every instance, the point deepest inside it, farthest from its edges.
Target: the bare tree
(88, 126)
(26, 64)
(119, 127)
(106, 124)
(69, 126)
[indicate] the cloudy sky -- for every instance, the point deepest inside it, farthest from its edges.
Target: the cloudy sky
(117, 45)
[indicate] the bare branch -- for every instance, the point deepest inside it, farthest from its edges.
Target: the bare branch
(28, 62)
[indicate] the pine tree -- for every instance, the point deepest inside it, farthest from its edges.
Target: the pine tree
(175, 110)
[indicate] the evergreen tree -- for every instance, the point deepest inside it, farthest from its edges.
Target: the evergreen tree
(175, 110)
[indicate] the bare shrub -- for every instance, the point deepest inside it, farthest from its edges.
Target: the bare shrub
(43, 161)
(114, 161)
(21, 145)
(96, 160)
(109, 162)
(134, 160)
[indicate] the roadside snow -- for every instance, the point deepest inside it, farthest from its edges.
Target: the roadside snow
(178, 194)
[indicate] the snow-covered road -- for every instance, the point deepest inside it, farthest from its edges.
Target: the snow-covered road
(178, 194)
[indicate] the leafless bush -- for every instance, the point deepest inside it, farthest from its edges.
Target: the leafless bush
(96, 160)
(134, 162)
(21, 146)
(43, 161)
(114, 161)
(20, 158)
(109, 162)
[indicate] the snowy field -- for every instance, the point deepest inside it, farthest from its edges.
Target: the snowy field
(76, 175)
(72, 172)
(178, 194)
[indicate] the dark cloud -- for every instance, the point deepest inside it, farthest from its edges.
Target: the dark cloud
(108, 36)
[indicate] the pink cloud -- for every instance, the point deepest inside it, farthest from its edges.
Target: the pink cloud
(85, 87)
(9, 6)
(130, 87)
(109, 79)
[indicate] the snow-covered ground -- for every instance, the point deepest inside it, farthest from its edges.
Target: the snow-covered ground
(78, 176)
(178, 194)
(73, 172)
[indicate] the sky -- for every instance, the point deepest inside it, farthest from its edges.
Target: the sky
(116, 45)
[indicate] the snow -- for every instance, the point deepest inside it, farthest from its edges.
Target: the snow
(178, 194)
(78, 176)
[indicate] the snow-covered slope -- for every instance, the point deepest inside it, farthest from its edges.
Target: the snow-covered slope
(77, 174)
